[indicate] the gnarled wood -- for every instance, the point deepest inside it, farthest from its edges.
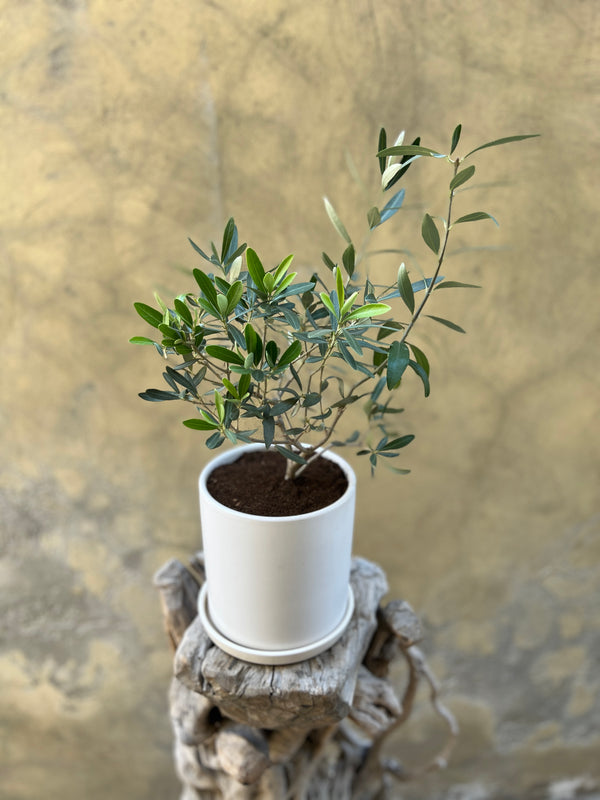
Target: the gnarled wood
(312, 730)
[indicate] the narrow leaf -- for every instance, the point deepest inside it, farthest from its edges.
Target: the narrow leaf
(199, 251)
(227, 238)
(373, 217)
(381, 145)
(430, 234)
(408, 150)
(336, 222)
(183, 312)
(370, 310)
(158, 395)
(475, 217)
(398, 443)
(398, 358)
(405, 288)
(326, 300)
(268, 425)
(206, 286)
(393, 205)
(149, 314)
(420, 358)
(456, 285)
(290, 354)
(141, 340)
(462, 177)
(199, 424)
(416, 367)
(223, 354)
(255, 268)
(455, 138)
(348, 260)
(327, 261)
(447, 323)
(505, 140)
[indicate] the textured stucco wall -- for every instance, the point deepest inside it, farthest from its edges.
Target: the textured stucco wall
(127, 127)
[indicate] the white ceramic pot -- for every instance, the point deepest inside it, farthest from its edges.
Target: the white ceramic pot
(277, 588)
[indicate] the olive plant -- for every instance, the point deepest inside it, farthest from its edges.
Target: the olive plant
(264, 356)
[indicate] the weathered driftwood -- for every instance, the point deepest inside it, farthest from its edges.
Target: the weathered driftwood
(311, 730)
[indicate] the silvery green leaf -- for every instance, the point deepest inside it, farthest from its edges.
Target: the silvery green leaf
(398, 358)
(392, 205)
(456, 285)
(462, 177)
(430, 233)
(336, 222)
(505, 140)
(405, 288)
(389, 174)
(476, 216)
(447, 323)
(455, 138)
(235, 269)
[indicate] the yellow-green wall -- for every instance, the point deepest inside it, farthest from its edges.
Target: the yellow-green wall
(127, 127)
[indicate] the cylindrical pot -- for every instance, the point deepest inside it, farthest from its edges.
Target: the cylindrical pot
(277, 583)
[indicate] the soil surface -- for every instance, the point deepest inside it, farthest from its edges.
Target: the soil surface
(255, 484)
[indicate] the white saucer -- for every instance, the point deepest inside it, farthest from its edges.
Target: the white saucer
(272, 657)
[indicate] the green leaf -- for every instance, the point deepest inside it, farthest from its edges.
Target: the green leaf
(408, 150)
(398, 358)
(219, 405)
(234, 295)
(183, 311)
(336, 222)
(206, 286)
(405, 288)
(326, 300)
(255, 268)
(214, 441)
(200, 251)
(327, 261)
(268, 425)
(290, 354)
(223, 354)
(373, 216)
(271, 353)
(455, 138)
(339, 286)
(474, 217)
(381, 145)
(462, 177)
(447, 323)
(456, 285)
(405, 163)
(393, 205)
(505, 140)
(228, 234)
(283, 268)
(420, 358)
(200, 424)
(230, 388)
(149, 314)
(141, 340)
(345, 401)
(396, 444)
(348, 303)
(348, 260)
(422, 374)
(290, 454)
(430, 234)
(370, 310)
(158, 395)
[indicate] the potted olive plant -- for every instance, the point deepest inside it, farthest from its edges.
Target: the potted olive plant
(270, 362)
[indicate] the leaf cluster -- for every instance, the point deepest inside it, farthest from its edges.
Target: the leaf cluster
(262, 354)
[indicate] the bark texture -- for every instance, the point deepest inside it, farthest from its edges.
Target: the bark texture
(312, 730)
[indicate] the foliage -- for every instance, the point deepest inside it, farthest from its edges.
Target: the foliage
(263, 355)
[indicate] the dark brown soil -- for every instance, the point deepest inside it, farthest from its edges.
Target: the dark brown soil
(255, 484)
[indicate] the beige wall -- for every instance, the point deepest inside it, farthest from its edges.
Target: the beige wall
(127, 127)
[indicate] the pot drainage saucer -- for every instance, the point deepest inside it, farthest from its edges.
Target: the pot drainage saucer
(272, 657)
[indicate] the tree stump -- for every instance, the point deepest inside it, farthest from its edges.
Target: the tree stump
(311, 730)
